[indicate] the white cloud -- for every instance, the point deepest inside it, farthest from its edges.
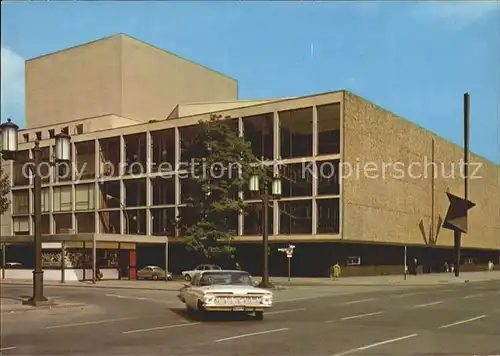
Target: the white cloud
(12, 85)
(456, 13)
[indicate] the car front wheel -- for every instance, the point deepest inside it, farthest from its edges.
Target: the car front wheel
(155, 278)
(187, 277)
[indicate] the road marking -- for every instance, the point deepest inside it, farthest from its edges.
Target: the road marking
(141, 298)
(89, 323)
(159, 328)
(472, 296)
(286, 311)
(446, 290)
(8, 348)
(358, 301)
(427, 304)
(462, 322)
(252, 334)
(361, 315)
(315, 297)
(407, 294)
(375, 345)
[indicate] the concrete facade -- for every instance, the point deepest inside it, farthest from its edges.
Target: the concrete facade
(118, 75)
(395, 208)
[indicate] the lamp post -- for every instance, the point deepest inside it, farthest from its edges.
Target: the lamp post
(127, 222)
(9, 133)
(255, 186)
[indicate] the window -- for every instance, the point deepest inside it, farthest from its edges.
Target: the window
(21, 201)
(39, 135)
(62, 199)
(21, 225)
(26, 137)
(45, 200)
(52, 133)
(79, 129)
(84, 197)
(65, 130)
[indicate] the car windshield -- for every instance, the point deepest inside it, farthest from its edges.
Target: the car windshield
(225, 278)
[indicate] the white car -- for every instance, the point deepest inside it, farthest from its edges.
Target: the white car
(225, 290)
(188, 275)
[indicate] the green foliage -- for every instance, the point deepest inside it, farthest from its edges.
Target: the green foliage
(4, 191)
(220, 164)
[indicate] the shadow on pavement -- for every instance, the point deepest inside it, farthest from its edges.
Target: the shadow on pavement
(194, 316)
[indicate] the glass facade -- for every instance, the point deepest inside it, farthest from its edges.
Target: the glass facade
(135, 183)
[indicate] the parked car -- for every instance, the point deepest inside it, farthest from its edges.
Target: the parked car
(154, 273)
(225, 291)
(17, 265)
(188, 275)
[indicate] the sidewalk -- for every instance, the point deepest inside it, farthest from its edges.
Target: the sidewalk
(419, 280)
(14, 305)
(396, 280)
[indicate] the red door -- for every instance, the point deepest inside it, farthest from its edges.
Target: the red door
(132, 266)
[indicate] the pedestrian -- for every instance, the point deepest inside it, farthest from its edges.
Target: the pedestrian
(490, 266)
(336, 270)
(238, 267)
(446, 267)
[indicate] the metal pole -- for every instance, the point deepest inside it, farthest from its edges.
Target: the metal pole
(166, 259)
(289, 269)
(63, 264)
(406, 261)
(458, 234)
(127, 221)
(265, 237)
(38, 296)
(4, 246)
(94, 256)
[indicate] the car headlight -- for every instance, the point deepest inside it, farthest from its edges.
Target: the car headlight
(209, 299)
(267, 299)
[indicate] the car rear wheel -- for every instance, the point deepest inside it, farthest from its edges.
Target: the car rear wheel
(259, 315)
(187, 277)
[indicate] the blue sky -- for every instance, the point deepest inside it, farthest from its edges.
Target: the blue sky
(415, 59)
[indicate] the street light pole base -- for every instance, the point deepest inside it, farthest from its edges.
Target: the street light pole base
(266, 285)
(38, 298)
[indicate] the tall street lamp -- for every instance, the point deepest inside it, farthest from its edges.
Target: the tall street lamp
(9, 132)
(127, 221)
(255, 186)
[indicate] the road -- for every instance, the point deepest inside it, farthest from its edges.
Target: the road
(441, 320)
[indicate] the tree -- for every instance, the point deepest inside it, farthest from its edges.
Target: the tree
(4, 191)
(220, 163)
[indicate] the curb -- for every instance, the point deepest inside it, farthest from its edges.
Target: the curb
(93, 286)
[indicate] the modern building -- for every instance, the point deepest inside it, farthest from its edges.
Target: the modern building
(127, 105)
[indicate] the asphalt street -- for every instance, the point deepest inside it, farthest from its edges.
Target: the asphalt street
(441, 320)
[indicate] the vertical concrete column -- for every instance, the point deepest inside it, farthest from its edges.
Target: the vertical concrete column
(315, 140)
(176, 176)
(121, 172)
(97, 190)
(73, 163)
(149, 152)
(149, 196)
(341, 171)
(241, 133)
(276, 169)
(30, 194)
(51, 210)
(73, 187)
(73, 207)
(149, 149)
(52, 169)
(123, 199)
